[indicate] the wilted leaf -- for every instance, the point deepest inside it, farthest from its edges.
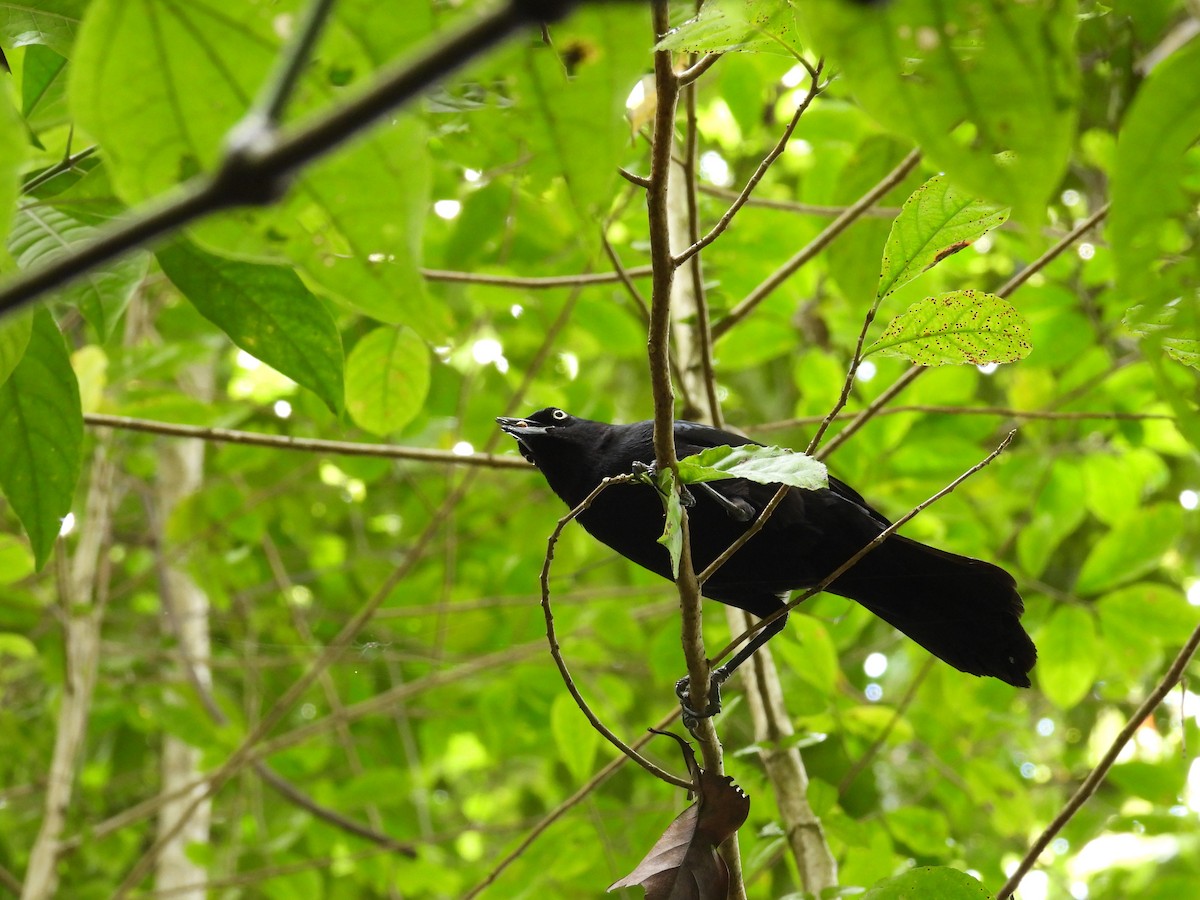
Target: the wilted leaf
(929, 883)
(936, 221)
(956, 328)
(684, 864)
(672, 536)
(765, 465)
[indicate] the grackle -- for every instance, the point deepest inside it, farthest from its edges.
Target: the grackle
(962, 610)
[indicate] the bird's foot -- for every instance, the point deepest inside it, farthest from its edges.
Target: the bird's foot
(682, 690)
(649, 471)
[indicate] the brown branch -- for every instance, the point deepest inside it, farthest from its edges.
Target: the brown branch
(817, 244)
(803, 209)
(586, 279)
(696, 69)
(1097, 775)
(556, 650)
(307, 445)
(1002, 411)
(814, 88)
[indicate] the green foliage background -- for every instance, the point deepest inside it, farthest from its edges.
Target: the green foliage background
(1051, 107)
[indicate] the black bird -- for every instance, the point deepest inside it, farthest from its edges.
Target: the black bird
(962, 610)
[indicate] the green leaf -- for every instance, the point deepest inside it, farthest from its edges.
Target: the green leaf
(42, 423)
(387, 378)
(929, 883)
(765, 465)
(924, 831)
(576, 121)
(1132, 548)
(1149, 190)
(1155, 614)
(1059, 510)
(267, 311)
(52, 23)
(14, 338)
(672, 536)
(16, 646)
(956, 328)
(41, 233)
(987, 90)
(935, 222)
(574, 736)
(14, 144)
(43, 88)
(159, 84)
(1068, 656)
(722, 26)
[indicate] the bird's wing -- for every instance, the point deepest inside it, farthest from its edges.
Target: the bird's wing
(692, 437)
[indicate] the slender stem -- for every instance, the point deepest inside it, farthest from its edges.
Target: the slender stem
(556, 650)
(282, 84)
(696, 69)
(817, 244)
(1085, 790)
(66, 164)
(814, 88)
(307, 445)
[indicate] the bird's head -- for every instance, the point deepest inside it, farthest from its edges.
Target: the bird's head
(539, 431)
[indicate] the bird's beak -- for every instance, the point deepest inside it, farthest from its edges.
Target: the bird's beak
(520, 428)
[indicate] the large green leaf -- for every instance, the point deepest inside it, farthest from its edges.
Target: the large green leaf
(52, 23)
(14, 338)
(725, 25)
(766, 465)
(1068, 656)
(935, 222)
(387, 378)
(42, 232)
(576, 121)
(267, 311)
(929, 883)
(577, 741)
(42, 423)
(1132, 548)
(159, 83)
(956, 328)
(1149, 199)
(987, 89)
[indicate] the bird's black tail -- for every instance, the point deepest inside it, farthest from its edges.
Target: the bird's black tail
(964, 611)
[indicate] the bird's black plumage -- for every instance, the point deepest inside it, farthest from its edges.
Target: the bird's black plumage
(963, 610)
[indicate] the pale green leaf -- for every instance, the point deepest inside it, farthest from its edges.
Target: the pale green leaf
(722, 26)
(267, 311)
(1068, 656)
(672, 536)
(14, 145)
(42, 423)
(1149, 186)
(16, 646)
(1133, 547)
(935, 222)
(52, 23)
(574, 736)
(42, 232)
(956, 328)
(765, 465)
(387, 378)
(14, 337)
(929, 883)
(987, 90)
(925, 831)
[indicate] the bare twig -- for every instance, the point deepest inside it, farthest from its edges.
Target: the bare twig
(814, 88)
(817, 244)
(307, 445)
(1001, 411)
(1085, 790)
(696, 69)
(556, 650)
(534, 283)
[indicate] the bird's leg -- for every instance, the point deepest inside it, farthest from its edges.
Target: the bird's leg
(721, 674)
(739, 510)
(649, 470)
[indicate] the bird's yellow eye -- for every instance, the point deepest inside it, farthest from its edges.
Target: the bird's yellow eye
(559, 414)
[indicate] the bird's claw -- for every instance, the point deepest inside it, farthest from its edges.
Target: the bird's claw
(649, 471)
(690, 716)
